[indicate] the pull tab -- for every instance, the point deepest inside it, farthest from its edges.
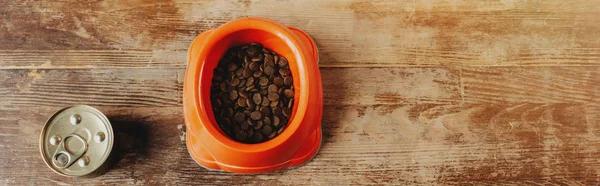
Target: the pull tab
(62, 157)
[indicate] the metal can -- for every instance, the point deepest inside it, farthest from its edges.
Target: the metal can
(77, 141)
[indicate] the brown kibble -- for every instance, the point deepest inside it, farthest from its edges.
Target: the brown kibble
(229, 113)
(250, 81)
(239, 72)
(254, 66)
(239, 117)
(273, 88)
(284, 72)
(232, 67)
(288, 81)
(257, 99)
(250, 88)
(267, 130)
(278, 81)
(235, 82)
(250, 122)
(256, 115)
(247, 73)
(263, 92)
(241, 102)
(265, 110)
(252, 50)
(250, 132)
(282, 62)
(269, 70)
(242, 83)
(258, 74)
(251, 91)
(244, 94)
(258, 125)
(250, 104)
(267, 121)
(269, 63)
(273, 97)
(233, 95)
(277, 111)
(276, 121)
(288, 93)
(223, 87)
(286, 112)
(269, 58)
(245, 125)
(272, 135)
(274, 103)
(263, 81)
(265, 101)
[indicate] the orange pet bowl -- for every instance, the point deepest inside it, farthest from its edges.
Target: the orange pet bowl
(208, 145)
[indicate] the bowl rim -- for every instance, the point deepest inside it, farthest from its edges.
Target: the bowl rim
(202, 101)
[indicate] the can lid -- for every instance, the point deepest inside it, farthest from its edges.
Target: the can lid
(76, 140)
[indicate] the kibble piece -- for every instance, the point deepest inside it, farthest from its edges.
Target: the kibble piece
(269, 70)
(241, 102)
(282, 62)
(235, 82)
(256, 115)
(239, 117)
(276, 121)
(273, 96)
(258, 125)
(278, 81)
(284, 72)
(257, 99)
(233, 95)
(286, 112)
(252, 93)
(244, 94)
(267, 130)
(273, 88)
(288, 80)
(288, 93)
(264, 81)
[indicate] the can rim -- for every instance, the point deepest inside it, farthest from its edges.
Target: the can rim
(104, 157)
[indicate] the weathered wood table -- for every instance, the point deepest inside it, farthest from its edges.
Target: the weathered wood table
(432, 92)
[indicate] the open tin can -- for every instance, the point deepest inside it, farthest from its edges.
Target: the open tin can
(77, 141)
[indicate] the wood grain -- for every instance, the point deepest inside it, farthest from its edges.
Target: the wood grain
(349, 33)
(163, 87)
(416, 92)
(417, 143)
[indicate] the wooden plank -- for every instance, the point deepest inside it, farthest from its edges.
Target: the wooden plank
(342, 86)
(92, 59)
(376, 144)
(531, 85)
(349, 33)
(101, 87)
(163, 87)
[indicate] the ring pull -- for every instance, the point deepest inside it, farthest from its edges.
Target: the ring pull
(62, 158)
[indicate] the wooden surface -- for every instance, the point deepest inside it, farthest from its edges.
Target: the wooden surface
(416, 91)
